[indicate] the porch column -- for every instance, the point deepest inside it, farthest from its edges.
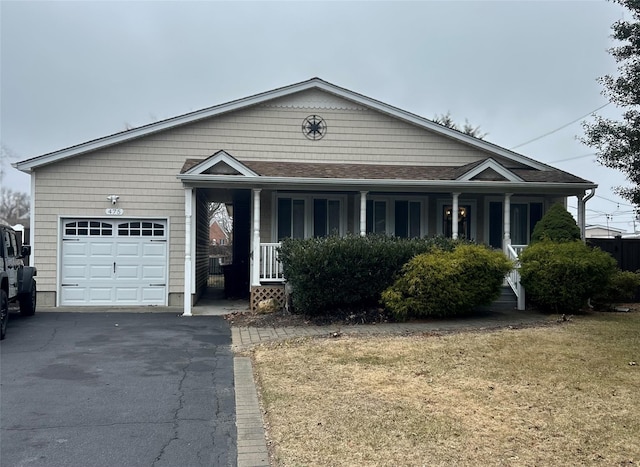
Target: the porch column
(454, 216)
(188, 263)
(507, 222)
(363, 213)
(255, 243)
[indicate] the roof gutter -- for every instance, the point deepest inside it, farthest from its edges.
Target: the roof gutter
(234, 181)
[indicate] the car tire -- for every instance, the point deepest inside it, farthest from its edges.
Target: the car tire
(4, 313)
(28, 301)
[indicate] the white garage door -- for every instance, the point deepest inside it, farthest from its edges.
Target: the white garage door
(109, 262)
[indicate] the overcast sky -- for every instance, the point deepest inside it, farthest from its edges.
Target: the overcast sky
(75, 71)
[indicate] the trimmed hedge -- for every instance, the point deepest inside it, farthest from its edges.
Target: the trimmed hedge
(447, 283)
(561, 277)
(338, 273)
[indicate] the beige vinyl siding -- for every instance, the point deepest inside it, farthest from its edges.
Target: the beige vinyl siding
(275, 133)
(78, 187)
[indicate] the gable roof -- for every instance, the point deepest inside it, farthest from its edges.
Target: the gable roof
(314, 83)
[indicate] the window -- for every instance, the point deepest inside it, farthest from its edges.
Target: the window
(524, 217)
(140, 229)
(290, 218)
(326, 217)
(10, 243)
(305, 216)
(407, 219)
(464, 221)
(376, 216)
(88, 228)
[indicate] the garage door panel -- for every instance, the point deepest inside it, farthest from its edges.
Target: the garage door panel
(153, 273)
(127, 295)
(75, 249)
(152, 295)
(154, 250)
(74, 272)
(101, 295)
(128, 250)
(101, 249)
(112, 267)
(74, 295)
(100, 272)
(128, 273)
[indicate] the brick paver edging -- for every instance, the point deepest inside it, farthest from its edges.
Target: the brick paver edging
(252, 447)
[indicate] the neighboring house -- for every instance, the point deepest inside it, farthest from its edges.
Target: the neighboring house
(217, 236)
(123, 220)
(601, 231)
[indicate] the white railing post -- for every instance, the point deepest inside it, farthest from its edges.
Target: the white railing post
(513, 278)
(270, 267)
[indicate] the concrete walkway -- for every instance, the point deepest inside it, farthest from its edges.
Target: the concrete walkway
(252, 446)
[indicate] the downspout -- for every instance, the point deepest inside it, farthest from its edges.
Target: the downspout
(582, 211)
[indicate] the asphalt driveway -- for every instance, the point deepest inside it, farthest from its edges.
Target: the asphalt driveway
(117, 389)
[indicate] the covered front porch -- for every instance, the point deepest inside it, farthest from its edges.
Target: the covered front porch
(264, 215)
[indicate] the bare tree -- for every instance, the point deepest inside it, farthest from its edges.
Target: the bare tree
(467, 128)
(218, 213)
(14, 206)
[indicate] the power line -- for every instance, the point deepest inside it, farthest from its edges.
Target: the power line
(560, 128)
(616, 202)
(573, 158)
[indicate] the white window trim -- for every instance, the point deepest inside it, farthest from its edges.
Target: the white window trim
(308, 211)
(390, 211)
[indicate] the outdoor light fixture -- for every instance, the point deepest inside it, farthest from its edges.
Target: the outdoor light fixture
(113, 198)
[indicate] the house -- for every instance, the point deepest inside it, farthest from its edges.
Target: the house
(122, 220)
(601, 231)
(217, 236)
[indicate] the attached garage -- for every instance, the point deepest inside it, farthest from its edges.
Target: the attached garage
(113, 262)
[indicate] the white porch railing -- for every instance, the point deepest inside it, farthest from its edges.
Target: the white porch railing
(270, 266)
(513, 278)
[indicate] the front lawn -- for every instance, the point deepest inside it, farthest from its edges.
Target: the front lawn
(561, 395)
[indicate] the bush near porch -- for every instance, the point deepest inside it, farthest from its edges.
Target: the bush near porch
(561, 277)
(338, 273)
(447, 283)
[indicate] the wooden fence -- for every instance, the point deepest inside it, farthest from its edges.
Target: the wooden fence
(626, 251)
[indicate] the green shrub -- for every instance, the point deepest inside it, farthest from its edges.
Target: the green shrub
(560, 277)
(347, 272)
(557, 225)
(447, 283)
(622, 287)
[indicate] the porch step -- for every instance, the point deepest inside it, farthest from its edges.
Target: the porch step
(506, 301)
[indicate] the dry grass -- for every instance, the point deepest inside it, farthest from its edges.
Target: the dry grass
(564, 395)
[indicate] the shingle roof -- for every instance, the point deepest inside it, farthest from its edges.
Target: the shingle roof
(383, 172)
